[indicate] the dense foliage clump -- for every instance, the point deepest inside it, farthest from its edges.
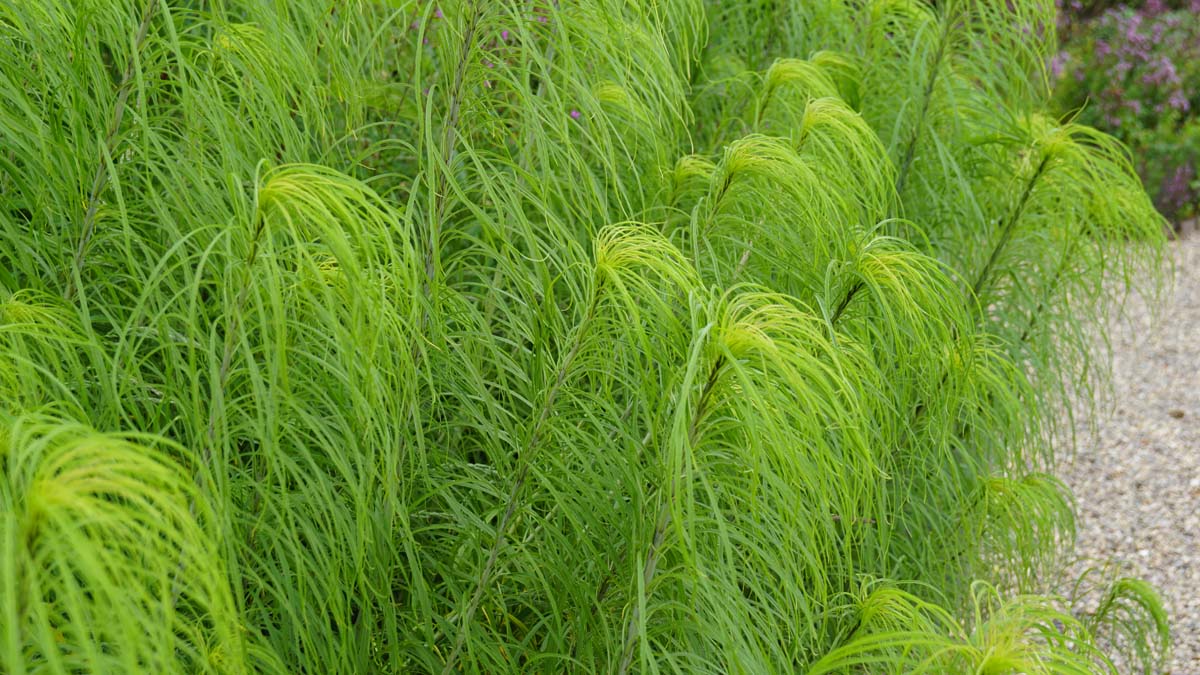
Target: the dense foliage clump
(505, 336)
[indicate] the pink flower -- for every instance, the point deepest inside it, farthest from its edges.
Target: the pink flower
(575, 114)
(504, 35)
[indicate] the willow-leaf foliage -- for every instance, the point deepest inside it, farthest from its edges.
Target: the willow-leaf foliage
(508, 336)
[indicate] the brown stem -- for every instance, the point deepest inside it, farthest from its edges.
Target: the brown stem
(1005, 236)
(449, 150)
(665, 517)
(741, 266)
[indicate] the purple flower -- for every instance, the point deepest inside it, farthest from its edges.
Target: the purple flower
(1175, 191)
(575, 114)
(1058, 64)
(504, 35)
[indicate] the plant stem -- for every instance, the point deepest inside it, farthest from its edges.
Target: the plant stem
(1009, 226)
(664, 517)
(100, 180)
(526, 459)
(926, 97)
(1058, 273)
(664, 514)
(1005, 235)
(449, 149)
(231, 334)
(858, 286)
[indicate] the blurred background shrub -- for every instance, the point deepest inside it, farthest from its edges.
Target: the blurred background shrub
(1133, 70)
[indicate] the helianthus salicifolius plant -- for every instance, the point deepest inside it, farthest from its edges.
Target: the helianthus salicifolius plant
(511, 335)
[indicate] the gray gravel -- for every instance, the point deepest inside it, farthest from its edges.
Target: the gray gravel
(1138, 483)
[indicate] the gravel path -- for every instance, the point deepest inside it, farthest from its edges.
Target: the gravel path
(1138, 485)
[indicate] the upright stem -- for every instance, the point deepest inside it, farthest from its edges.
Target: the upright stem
(449, 149)
(1005, 236)
(1009, 226)
(100, 179)
(715, 203)
(664, 514)
(526, 460)
(1058, 273)
(231, 336)
(841, 309)
(926, 97)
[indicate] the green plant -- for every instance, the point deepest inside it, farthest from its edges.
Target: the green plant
(504, 336)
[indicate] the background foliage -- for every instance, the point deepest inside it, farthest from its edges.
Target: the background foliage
(394, 336)
(1134, 71)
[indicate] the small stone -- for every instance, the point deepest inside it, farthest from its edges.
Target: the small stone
(1176, 413)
